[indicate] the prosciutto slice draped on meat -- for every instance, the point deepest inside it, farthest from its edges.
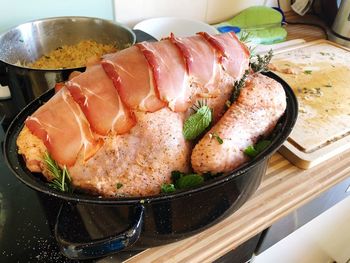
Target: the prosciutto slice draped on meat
(96, 95)
(232, 54)
(118, 126)
(200, 59)
(64, 129)
(169, 71)
(133, 79)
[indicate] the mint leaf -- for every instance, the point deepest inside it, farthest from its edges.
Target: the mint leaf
(189, 181)
(197, 123)
(176, 175)
(251, 151)
(261, 145)
(168, 188)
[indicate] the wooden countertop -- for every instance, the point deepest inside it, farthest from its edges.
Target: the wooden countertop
(283, 189)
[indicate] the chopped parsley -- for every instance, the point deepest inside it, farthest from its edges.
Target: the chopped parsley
(119, 185)
(217, 137)
(308, 72)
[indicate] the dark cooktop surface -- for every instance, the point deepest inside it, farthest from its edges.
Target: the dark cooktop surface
(25, 234)
(26, 217)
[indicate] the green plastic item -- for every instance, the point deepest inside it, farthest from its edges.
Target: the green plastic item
(262, 23)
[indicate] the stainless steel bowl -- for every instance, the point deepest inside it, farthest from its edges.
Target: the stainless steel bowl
(27, 42)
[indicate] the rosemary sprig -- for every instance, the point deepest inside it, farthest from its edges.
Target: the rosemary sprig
(61, 178)
(260, 63)
(244, 37)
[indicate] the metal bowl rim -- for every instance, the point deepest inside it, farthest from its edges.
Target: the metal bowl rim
(129, 30)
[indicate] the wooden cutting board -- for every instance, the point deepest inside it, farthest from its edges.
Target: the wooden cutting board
(319, 74)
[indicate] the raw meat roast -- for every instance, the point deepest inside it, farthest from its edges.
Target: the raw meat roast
(121, 121)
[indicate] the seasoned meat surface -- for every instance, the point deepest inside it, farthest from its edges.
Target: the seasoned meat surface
(32, 149)
(254, 114)
(137, 163)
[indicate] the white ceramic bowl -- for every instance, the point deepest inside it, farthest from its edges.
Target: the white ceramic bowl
(182, 27)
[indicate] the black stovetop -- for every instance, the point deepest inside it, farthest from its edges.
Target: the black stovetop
(25, 232)
(27, 217)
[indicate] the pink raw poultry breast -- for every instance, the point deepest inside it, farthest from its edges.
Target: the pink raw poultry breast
(135, 103)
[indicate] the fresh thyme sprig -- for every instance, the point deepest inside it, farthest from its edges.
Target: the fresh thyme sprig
(237, 86)
(261, 63)
(61, 178)
(257, 64)
(197, 122)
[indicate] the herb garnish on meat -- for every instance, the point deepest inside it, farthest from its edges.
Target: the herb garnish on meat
(182, 181)
(257, 64)
(261, 63)
(197, 122)
(237, 86)
(61, 178)
(217, 137)
(254, 150)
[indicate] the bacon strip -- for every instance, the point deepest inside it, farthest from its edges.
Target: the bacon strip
(169, 71)
(100, 102)
(133, 79)
(63, 128)
(232, 54)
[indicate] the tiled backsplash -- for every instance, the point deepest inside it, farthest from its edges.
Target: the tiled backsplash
(211, 11)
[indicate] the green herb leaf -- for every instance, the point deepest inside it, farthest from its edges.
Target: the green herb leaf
(217, 137)
(197, 123)
(61, 178)
(176, 175)
(261, 63)
(262, 145)
(189, 181)
(253, 151)
(308, 72)
(237, 86)
(119, 185)
(168, 188)
(244, 37)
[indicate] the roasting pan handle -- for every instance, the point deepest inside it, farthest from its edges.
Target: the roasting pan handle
(104, 246)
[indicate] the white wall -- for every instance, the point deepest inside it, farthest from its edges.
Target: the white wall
(14, 12)
(131, 12)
